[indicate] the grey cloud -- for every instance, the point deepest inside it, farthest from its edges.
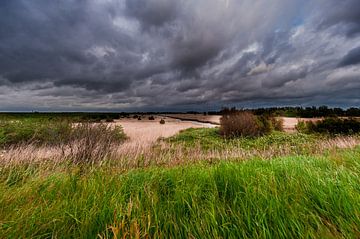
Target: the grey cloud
(136, 53)
(152, 12)
(345, 13)
(351, 58)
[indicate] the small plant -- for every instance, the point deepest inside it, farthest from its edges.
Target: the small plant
(162, 121)
(139, 118)
(151, 118)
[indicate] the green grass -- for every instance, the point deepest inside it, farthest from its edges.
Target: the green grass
(46, 131)
(209, 138)
(288, 197)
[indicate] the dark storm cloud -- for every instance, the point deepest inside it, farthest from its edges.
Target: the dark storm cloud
(131, 54)
(352, 58)
(152, 12)
(345, 13)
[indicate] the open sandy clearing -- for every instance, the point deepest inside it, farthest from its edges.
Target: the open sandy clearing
(143, 133)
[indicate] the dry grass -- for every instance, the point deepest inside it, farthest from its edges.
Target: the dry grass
(133, 156)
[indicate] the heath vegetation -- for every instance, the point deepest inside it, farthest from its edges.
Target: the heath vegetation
(68, 178)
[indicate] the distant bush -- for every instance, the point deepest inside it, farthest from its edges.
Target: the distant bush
(331, 126)
(109, 120)
(151, 118)
(162, 121)
(135, 116)
(277, 123)
(139, 118)
(244, 124)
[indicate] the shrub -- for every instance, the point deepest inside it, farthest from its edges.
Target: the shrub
(39, 132)
(277, 123)
(151, 118)
(302, 127)
(109, 120)
(162, 121)
(91, 143)
(244, 124)
(331, 126)
(139, 118)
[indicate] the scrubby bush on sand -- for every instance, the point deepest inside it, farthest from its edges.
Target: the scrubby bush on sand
(151, 118)
(162, 121)
(244, 124)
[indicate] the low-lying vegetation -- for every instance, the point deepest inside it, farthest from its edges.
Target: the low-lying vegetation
(333, 126)
(66, 179)
(38, 131)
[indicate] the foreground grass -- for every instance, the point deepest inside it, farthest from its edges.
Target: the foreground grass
(288, 197)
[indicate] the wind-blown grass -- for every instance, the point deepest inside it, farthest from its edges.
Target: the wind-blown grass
(287, 197)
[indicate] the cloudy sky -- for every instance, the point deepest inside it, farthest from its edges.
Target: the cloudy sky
(178, 54)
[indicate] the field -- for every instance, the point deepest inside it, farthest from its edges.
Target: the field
(61, 177)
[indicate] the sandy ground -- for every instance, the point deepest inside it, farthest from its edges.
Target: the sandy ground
(145, 132)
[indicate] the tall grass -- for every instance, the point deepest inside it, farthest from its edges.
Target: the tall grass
(288, 197)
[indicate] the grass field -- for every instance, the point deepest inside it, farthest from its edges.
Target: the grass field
(195, 184)
(298, 197)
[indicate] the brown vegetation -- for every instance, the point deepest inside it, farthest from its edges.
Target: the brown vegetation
(243, 124)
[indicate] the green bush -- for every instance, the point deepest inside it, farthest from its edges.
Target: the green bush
(331, 126)
(34, 131)
(51, 132)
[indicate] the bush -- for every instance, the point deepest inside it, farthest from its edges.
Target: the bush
(139, 118)
(162, 121)
(244, 124)
(331, 126)
(277, 123)
(109, 120)
(91, 143)
(39, 132)
(151, 118)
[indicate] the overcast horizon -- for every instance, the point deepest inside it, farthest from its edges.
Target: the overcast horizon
(178, 55)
